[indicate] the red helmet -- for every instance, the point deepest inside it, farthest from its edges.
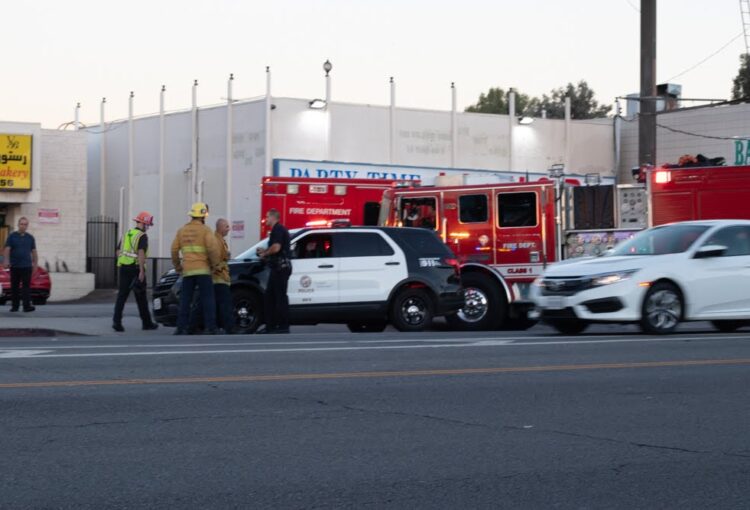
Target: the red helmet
(145, 217)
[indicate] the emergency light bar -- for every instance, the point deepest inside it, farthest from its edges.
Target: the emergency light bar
(662, 177)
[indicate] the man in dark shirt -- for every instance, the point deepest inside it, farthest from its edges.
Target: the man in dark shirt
(20, 256)
(280, 268)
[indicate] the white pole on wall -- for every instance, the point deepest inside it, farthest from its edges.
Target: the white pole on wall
(77, 122)
(511, 125)
(121, 224)
(194, 145)
(102, 159)
(454, 128)
(269, 160)
(327, 66)
(162, 169)
(567, 134)
(392, 124)
(131, 155)
(230, 131)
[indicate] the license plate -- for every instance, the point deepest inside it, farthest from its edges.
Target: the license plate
(157, 304)
(556, 303)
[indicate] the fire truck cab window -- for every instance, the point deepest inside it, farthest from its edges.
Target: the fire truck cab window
(313, 246)
(736, 239)
(362, 244)
(472, 208)
(516, 209)
(419, 212)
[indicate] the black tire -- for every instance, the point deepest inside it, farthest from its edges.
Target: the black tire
(568, 326)
(412, 310)
(367, 326)
(486, 305)
(662, 309)
(728, 326)
(248, 310)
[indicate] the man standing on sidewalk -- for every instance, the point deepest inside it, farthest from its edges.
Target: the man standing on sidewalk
(132, 272)
(222, 280)
(195, 254)
(20, 256)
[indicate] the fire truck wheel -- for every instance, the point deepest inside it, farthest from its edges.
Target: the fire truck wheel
(568, 326)
(662, 309)
(485, 308)
(729, 326)
(412, 310)
(367, 326)
(248, 308)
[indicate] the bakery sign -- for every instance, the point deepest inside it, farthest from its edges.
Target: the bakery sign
(15, 162)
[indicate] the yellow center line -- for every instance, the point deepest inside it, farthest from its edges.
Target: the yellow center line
(373, 375)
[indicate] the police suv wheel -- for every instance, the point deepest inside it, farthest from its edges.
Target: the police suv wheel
(412, 310)
(367, 326)
(485, 307)
(248, 313)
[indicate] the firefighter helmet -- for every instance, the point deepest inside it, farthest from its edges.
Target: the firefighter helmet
(199, 210)
(144, 217)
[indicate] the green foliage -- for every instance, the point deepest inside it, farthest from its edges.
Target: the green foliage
(741, 83)
(583, 105)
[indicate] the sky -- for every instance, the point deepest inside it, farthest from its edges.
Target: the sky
(60, 52)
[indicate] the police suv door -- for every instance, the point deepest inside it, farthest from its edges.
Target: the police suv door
(371, 266)
(314, 278)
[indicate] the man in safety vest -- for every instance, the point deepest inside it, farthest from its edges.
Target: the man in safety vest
(132, 272)
(200, 255)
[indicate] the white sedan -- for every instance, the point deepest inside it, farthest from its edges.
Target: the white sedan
(690, 271)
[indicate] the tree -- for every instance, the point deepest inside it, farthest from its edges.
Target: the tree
(496, 101)
(741, 83)
(582, 103)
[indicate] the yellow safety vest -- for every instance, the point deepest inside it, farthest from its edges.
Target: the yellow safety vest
(129, 253)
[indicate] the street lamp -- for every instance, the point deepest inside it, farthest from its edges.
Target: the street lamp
(327, 66)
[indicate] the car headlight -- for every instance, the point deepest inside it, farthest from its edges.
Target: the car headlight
(610, 278)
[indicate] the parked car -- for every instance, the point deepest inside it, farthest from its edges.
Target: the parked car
(689, 271)
(41, 286)
(365, 277)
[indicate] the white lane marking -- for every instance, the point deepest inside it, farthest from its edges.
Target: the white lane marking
(439, 344)
(21, 353)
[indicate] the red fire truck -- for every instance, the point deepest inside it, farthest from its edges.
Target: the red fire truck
(305, 202)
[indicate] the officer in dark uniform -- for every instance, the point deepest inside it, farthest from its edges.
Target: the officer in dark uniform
(280, 268)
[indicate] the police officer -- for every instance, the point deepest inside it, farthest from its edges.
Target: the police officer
(132, 272)
(195, 254)
(280, 268)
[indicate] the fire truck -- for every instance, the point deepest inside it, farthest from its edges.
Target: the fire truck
(305, 202)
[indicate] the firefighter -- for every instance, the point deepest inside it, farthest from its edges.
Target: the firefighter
(200, 255)
(132, 272)
(280, 268)
(222, 281)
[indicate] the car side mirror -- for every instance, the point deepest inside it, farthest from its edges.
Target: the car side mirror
(710, 250)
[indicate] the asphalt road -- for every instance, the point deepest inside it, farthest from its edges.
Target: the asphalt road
(334, 420)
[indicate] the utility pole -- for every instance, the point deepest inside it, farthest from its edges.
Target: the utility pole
(647, 108)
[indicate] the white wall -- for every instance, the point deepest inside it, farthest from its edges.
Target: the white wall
(724, 122)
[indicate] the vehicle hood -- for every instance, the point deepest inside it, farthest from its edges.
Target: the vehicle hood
(598, 265)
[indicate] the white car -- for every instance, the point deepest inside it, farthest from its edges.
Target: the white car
(696, 270)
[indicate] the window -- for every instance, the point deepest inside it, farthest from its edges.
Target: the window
(516, 209)
(362, 244)
(472, 208)
(661, 240)
(313, 246)
(419, 212)
(736, 239)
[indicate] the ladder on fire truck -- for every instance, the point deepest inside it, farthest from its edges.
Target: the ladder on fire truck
(745, 11)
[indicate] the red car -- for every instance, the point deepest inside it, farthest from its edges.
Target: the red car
(41, 285)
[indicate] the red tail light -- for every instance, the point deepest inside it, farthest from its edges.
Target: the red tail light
(448, 261)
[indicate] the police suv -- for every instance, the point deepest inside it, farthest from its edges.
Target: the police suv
(365, 277)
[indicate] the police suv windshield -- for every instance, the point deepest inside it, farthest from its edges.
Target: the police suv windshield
(250, 253)
(661, 240)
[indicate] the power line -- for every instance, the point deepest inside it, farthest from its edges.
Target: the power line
(708, 57)
(711, 137)
(636, 9)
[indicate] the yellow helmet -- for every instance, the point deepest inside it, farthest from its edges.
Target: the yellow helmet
(199, 210)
